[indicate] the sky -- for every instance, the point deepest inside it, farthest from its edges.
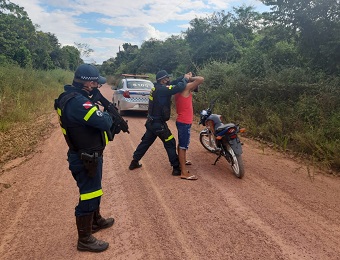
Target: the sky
(104, 25)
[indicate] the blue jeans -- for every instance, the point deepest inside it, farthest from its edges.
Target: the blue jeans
(183, 135)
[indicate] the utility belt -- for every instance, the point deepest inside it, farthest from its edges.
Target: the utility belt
(153, 119)
(162, 130)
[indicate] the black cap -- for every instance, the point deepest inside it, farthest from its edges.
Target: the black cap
(161, 75)
(89, 72)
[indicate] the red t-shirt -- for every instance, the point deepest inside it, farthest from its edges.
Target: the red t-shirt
(185, 111)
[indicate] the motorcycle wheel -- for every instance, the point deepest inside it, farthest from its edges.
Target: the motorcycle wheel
(208, 142)
(236, 163)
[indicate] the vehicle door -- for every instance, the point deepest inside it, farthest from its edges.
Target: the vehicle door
(118, 93)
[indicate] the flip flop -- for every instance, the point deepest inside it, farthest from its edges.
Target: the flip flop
(192, 178)
(187, 162)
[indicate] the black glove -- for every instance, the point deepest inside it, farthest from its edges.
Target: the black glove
(96, 95)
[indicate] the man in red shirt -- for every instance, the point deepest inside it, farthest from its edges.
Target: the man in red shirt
(185, 115)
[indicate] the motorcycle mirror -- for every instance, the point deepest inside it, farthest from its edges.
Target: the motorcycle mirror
(212, 103)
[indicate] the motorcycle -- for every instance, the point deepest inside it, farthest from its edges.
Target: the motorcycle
(222, 139)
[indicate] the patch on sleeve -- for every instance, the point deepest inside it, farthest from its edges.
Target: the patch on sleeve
(99, 113)
(87, 105)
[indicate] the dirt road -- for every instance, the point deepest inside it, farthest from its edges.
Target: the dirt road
(276, 212)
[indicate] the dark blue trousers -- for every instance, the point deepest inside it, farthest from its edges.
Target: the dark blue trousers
(160, 130)
(90, 188)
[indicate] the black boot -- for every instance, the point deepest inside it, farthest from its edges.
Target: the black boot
(99, 222)
(176, 171)
(134, 164)
(87, 242)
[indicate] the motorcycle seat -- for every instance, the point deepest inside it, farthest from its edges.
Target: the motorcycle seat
(224, 126)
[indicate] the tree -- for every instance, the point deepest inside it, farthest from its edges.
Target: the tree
(73, 57)
(222, 36)
(21, 43)
(146, 60)
(23, 57)
(108, 67)
(16, 30)
(84, 49)
(315, 25)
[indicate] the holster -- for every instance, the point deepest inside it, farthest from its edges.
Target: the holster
(90, 162)
(163, 132)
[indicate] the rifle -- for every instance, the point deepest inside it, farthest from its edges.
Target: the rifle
(118, 120)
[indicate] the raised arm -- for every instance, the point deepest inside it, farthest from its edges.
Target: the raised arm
(193, 83)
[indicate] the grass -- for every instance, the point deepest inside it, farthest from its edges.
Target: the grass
(305, 125)
(302, 115)
(26, 104)
(26, 94)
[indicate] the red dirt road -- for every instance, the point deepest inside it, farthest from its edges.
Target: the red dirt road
(277, 211)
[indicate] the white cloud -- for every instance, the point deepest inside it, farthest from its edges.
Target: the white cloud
(220, 4)
(129, 21)
(106, 48)
(144, 33)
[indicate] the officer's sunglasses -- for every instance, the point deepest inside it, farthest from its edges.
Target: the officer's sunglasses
(98, 84)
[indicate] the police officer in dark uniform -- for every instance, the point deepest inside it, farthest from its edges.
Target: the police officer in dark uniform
(86, 130)
(158, 114)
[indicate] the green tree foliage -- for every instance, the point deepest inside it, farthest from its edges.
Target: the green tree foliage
(315, 24)
(15, 31)
(108, 67)
(147, 57)
(23, 57)
(124, 62)
(244, 22)
(72, 59)
(169, 55)
(22, 44)
(42, 49)
(222, 36)
(176, 55)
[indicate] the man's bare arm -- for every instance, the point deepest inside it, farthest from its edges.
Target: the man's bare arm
(193, 83)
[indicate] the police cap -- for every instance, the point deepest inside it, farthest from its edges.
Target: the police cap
(88, 72)
(161, 75)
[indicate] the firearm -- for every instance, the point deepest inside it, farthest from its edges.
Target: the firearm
(119, 121)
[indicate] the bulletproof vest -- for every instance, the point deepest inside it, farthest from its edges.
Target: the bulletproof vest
(79, 138)
(156, 109)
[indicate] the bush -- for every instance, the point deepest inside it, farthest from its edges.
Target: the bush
(294, 108)
(27, 93)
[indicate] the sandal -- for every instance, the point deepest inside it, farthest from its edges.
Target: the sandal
(191, 178)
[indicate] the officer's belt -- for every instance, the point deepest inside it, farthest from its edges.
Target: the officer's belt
(156, 118)
(100, 153)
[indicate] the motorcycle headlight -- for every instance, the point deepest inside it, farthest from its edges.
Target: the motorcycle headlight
(204, 113)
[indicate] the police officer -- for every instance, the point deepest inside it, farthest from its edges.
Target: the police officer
(158, 114)
(86, 130)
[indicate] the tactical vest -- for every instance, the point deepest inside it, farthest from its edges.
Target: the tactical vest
(156, 110)
(78, 138)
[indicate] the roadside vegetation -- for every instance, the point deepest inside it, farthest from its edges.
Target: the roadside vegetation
(27, 94)
(294, 110)
(276, 73)
(26, 105)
